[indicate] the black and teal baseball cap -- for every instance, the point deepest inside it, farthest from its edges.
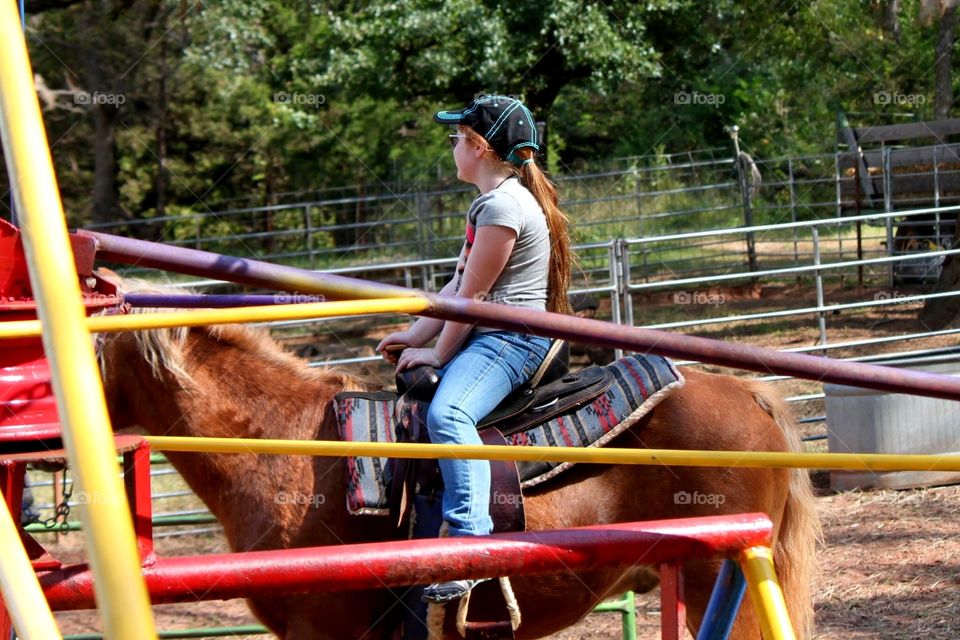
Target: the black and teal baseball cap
(503, 122)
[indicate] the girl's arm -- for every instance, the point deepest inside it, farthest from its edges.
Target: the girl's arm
(491, 250)
(424, 329)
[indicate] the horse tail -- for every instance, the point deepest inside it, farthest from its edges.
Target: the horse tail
(794, 555)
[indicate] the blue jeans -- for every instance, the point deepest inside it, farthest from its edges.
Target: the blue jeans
(486, 370)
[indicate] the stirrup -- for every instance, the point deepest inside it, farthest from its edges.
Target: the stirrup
(448, 591)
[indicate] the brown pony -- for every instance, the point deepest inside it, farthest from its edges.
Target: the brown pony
(235, 381)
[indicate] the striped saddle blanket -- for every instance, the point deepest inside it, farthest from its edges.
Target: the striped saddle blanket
(639, 382)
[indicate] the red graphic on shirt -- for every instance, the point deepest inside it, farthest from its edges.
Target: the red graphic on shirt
(469, 235)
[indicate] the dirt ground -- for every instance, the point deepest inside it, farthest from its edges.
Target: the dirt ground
(889, 568)
(889, 561)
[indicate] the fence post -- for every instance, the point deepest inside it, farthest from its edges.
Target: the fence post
(888, 207)
(936, 200)
(619, 287)
(423, 220)
(624, 277)
(793, 208)
(818, 276)
(747, 209)
(839, 208)
(308, 227)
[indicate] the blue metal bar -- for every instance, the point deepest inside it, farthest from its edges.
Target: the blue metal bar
(215, 301)
(724, 603)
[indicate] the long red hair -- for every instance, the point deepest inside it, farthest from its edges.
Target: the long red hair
(562, 257)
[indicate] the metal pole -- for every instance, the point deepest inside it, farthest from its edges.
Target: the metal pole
(888, 207)
(626, 606)
(177, 634)
(793, 208)
(591, 455)
(308, 225)
(121, 592)
(624, 277)
(745, 197)
(616, 287)
(766, 594)
(22, 596)
(741, 356)
(724, 603)
(818, 279)
(936, 199)
(839, 208)
(358, 567)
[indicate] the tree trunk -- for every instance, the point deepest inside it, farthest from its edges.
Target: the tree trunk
(106, 207)
(942, 66)
(938, 313)
(891, 18)
(160, 183)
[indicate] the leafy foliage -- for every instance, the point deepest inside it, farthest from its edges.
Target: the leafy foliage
(251, 102)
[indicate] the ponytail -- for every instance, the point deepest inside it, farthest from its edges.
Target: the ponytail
(561, 254)
(562, 257)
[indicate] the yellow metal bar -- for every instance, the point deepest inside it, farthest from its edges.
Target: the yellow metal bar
(766, 594)
(21, 590)
(120, 589)
(205, 317)
(674, 457)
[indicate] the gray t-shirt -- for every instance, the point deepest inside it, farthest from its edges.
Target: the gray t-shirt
(523, 281)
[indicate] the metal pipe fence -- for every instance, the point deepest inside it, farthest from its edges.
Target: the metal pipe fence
(610, 269)
(636, 197)
(811, 231)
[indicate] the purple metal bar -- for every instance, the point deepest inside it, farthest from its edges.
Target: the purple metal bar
(240, 270)
(216, 301)
(583, 330)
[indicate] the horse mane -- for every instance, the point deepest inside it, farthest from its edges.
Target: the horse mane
(164, 349)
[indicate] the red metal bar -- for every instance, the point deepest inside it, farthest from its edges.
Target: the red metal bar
(595, 332)
(673, 607)
(136, 481)
(11, 485)
(389, 564)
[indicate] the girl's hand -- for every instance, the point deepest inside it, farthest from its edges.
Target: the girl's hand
(391, 346)
(415, 357)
